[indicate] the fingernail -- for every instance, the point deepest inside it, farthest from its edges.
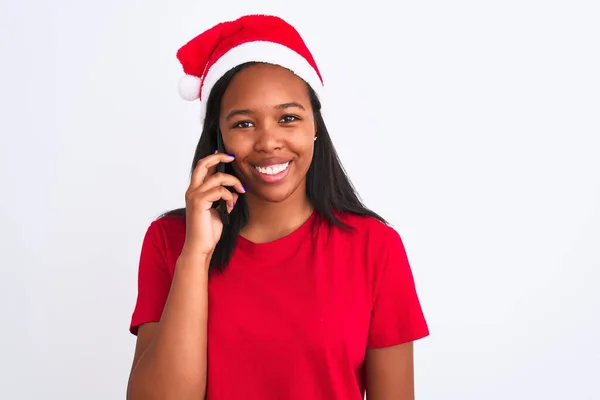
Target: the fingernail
(231, 155)
(244, 188)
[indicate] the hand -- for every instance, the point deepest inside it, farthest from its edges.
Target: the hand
(203, 223)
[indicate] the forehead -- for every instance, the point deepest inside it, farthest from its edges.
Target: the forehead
(264, 85)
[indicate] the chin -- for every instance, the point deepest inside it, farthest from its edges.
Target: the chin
(274, 194)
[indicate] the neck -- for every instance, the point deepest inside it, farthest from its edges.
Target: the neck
(271, 221)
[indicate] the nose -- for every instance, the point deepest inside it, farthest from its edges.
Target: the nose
(268, 137)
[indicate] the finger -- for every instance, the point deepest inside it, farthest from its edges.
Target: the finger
(235, 199)
(213, 169)
(207, 164)
(205, 200)
(222, 179)
(220, 193)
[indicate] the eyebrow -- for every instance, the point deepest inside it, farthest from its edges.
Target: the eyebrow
(278, 107)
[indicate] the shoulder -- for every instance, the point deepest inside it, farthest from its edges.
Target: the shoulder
(168, 225)
(367, 238)
(378, 251)
(166, 236)
(371, 229)
(379, 242)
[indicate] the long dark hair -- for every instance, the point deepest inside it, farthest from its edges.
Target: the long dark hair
(328, 187)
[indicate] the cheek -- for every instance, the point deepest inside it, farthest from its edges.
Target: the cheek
(302, 141)
(305, 150)
(238, 172)
(242, 147)
(234, 144)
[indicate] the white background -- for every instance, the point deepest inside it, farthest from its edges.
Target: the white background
(473, 126)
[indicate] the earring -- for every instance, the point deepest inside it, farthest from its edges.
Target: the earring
(315, 139)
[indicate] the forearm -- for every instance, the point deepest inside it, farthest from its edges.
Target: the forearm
(174, 364)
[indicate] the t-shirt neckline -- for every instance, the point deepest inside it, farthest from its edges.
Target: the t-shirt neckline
(278, 248)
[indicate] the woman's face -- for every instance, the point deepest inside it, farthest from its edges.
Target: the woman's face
(268, 125)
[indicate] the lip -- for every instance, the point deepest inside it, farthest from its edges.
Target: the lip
(271, 161)
(273, 178)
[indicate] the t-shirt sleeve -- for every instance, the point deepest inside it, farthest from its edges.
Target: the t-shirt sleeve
(154, 280)
(397, 315)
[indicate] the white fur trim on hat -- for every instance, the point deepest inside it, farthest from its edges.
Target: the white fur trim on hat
(260, 51)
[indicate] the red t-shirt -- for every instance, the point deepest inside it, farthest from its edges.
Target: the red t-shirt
(292, 319)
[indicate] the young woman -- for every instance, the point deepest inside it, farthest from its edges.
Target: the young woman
(304, 293)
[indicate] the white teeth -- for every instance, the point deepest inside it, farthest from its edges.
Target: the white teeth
(273, 169)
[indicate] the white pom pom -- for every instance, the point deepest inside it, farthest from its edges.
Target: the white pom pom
(189, 87)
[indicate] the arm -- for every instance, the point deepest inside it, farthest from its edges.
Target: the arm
(390, 373)
(397, 321)
(170, 356)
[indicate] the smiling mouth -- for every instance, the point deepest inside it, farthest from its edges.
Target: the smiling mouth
(272, 169)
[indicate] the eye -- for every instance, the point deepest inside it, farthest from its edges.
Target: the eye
(289, 118)
(243, 124)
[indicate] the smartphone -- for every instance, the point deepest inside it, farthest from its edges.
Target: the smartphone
(221, 168)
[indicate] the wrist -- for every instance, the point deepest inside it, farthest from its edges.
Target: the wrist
(193, 258)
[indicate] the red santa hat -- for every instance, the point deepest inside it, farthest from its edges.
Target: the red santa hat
(251, 38)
